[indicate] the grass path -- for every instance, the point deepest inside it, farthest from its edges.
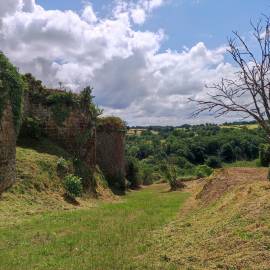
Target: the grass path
(109, 236)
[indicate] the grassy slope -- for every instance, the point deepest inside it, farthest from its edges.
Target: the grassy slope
(38, 188)
(109, 236)
(230, 233)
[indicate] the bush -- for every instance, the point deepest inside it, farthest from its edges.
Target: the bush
(147, 175)
(170, 173)
(132, 173)
(265, 155)
(73, 185)
(213, 162)
(63, 166)
(203, 171)
(31, 128)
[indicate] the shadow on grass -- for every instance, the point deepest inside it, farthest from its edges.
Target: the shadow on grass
(43, 145)
(71, 200)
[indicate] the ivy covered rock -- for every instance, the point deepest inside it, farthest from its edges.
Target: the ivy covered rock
(11, 96)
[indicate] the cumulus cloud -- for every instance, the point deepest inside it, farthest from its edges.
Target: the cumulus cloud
(131, 77)
(89, 14)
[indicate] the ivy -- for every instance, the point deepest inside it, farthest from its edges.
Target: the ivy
(111, 123)
(12, 88)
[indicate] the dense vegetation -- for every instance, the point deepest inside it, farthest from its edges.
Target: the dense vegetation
(11, 90)
(184, 149)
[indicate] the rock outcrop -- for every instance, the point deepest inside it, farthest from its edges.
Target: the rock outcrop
(69, 120)
(110, 150)
(74, 130)
(7, 149)
(11, 95)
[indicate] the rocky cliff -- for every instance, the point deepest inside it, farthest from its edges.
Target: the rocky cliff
(64, 117)
(110, 150)
(11, 95)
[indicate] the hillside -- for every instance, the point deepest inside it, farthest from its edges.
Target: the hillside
(39, 187)
(224, 225)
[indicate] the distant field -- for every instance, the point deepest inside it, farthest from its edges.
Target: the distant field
(251, 126)
(138, 132)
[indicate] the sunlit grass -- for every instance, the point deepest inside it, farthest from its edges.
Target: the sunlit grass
(109, 236)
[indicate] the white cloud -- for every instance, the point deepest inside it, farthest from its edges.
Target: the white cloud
(138, 15)
(89, 15)
(131, 77)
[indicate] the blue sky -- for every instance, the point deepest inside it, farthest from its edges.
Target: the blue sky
(138, 72)
(186, 21)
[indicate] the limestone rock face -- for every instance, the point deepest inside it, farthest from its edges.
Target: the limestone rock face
(75, 134)
(110, 154)
(7, 150)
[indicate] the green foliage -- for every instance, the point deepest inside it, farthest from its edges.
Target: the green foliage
(85, 173)
(31, 128)
(213, 162)
(63, 166)
(190, 146)
(111, 123)
(61, 101)
(265, 154)
(170, 173)
(73, 185)
(227, 152)
(147, 176)
(132, 173)
(62, 98)
(11, 90)
(60, 113)
(203, 171)
(86, 102)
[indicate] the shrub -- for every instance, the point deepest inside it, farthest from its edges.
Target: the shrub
(73, 185)
(265, 154)
(203, 171)
(132, 173)
(147, 175)
(110, 123)
(170, 173)
(213, 162)
(63, 166)
(31, 128)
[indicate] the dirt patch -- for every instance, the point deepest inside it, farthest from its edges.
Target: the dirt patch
(226, 179)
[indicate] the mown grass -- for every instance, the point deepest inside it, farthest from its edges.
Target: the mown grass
(230, 233)
(109, 236)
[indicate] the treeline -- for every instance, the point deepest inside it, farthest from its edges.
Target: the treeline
(188, 147)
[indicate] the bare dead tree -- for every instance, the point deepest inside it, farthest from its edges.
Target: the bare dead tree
(248, 91)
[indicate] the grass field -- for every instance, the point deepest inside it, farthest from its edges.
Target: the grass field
(243, 163)
(107, 236)
(248, 126)
(227, 227)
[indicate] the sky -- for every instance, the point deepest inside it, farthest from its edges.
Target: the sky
(144, 58)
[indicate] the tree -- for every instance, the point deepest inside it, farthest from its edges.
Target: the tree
(248, 91)
(227, 152)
